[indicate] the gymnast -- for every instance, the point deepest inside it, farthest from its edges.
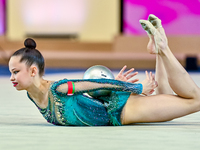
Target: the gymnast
(63, 102)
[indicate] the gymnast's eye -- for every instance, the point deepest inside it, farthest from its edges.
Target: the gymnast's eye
(15, 72)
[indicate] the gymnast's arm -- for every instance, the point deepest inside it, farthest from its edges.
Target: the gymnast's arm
(89, 85)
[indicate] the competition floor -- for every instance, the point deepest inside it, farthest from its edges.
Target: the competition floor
(22, 127)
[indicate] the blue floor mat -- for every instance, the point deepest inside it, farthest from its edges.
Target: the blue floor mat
(4, 70)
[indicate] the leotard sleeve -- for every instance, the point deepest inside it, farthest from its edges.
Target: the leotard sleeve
(89, 85)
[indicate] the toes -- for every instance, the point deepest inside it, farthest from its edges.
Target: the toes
(155, 21)
(151, 16)
(144, 25)
(147, 26)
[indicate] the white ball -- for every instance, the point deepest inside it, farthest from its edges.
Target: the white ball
(98, 72)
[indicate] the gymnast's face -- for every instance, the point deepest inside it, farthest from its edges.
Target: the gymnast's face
(21, 74)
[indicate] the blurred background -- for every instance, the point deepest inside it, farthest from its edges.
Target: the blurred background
(81, 33)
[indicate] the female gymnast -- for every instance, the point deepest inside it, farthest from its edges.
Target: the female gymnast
(64, 102)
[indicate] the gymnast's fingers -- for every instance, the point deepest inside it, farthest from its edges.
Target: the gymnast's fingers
(133, 81)
(131, 75)
(147, 74)
(129, 71)
(122, 70)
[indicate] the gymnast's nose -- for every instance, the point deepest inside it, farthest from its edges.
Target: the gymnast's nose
(12, 77)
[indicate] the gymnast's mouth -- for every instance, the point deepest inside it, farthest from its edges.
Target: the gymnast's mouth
(14, 84)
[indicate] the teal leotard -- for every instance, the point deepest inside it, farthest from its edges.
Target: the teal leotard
(82, 110)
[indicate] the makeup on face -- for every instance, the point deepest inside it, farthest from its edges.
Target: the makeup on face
(15, 84)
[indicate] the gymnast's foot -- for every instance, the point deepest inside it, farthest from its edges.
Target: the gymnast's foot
(157, 42)
(155, 21)
(147, 26)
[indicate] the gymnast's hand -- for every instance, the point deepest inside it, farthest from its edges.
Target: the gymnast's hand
(149, 84)
(127, 75)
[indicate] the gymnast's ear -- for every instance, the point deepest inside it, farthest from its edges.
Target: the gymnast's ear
(33, 70)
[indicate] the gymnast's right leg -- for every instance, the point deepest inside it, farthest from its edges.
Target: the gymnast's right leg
(178, 78)
(161, 74)
(164, 107)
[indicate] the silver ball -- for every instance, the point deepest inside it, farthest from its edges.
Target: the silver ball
(98, 72)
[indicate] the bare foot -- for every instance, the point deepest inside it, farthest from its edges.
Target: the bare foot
(151, 46)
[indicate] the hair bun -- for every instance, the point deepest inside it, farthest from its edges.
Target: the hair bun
(30, 43)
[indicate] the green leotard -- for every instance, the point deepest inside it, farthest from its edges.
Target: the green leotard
(82, 110)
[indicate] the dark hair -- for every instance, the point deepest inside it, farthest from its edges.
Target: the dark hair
(30, 55)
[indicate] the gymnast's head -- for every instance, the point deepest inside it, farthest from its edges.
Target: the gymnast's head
(28, 56)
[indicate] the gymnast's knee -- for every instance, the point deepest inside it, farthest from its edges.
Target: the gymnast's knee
(196, 104)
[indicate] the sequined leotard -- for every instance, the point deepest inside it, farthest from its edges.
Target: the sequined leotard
(82, 110)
